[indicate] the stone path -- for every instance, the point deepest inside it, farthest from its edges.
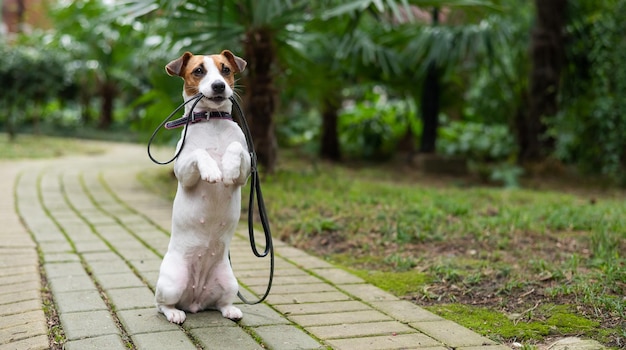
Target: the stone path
(99, 237)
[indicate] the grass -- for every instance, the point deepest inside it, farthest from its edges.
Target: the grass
(470, 253)
(473, 254)
(26, 146)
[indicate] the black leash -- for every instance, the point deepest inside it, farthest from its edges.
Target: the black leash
(255, 186)
(195, 98)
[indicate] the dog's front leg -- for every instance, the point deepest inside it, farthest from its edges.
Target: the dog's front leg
(236, 164)
(197, 165)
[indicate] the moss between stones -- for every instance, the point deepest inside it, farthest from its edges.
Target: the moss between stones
(534, 325)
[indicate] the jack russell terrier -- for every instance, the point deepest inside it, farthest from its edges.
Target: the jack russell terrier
(211, 168)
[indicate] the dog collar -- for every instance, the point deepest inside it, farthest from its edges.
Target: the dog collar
(197, 117)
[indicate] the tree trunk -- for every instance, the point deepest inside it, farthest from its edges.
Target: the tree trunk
(430, 102)
(430, 110)
(107, 96)
(260, 95)
(329, 148)
(547, 55)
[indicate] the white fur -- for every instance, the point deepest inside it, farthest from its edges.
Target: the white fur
(213, 165)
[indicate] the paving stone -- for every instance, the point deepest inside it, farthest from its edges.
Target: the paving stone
(60, 257)
(163, 340)
(78, 325)
(25, 318)
(103, 267)
(322, 308)
(131, 298)
(575, 343)
(109, 342)
(21, 278)
(119, 280)
(337, 276)
(451, 334)
(405, 311)
(390, 342)
(21, 292)
(82, 300)
(209, 318)
(354, 330)
(94, 245)
(260, 315)
(495, 347)
(54, 270)
(286, 337)
(311, 262)
(18, 270)
(100, 256)
(306, 298)
(70, 283)
(20, 306)
(367, 292)
(39, 342)
(55, 247)
(145, 321)
(295, 288)
(33, 327)
(14, 260)
(228, 338)
(20, 287)
(339, 318)
(278, 280)
(146, 265)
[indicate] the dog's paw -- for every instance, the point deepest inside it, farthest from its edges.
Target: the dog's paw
(210, 174)
(232, 313)
(173, 315)
(231, 176)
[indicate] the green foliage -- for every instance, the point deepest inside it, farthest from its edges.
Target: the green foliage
(29, 77)
(371, 126)
(590, 127)
(490, 149)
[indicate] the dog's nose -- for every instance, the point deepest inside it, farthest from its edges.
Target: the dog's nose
(218, 86)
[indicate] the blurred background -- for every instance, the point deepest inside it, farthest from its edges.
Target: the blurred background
(497, 88)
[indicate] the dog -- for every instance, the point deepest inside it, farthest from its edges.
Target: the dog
(214, 163)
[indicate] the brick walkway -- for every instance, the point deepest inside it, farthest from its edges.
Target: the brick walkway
(101, 238)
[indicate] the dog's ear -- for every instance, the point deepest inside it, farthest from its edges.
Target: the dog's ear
(175, 68)
(235, 61)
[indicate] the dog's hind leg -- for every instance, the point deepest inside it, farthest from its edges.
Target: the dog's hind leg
(171, 284)
(226, 279)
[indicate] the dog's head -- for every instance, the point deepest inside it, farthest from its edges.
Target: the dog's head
(212, 75)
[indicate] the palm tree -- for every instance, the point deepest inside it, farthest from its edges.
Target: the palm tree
(392, 46)
(273, 37)
(265, 32)
(548, 60)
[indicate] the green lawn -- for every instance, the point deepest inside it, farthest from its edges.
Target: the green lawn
(514, 265)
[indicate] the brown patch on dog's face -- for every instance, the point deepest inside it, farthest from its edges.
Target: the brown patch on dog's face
(194, 68)
(225, 68)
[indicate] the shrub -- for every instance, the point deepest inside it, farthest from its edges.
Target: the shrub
(490, 149)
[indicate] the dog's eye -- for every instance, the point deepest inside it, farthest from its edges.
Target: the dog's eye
(198, 71)
(225, 70)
